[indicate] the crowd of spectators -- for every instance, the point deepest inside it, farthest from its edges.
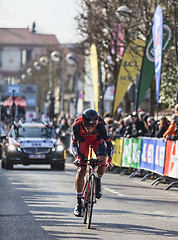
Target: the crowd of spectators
(141, 124)
(136, 124)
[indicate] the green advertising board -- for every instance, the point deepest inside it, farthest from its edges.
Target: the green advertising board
(131, 152)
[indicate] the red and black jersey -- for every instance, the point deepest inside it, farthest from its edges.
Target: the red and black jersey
(81, 136)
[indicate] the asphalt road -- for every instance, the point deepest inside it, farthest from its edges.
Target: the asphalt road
(37, 203)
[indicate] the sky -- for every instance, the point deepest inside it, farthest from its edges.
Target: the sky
(51, 17)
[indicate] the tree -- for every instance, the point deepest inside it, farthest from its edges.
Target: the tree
(98, 23)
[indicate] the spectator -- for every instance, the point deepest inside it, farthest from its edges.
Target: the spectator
(121, 129)
(162, 127)
(174, 135)
(145, 121)
(109, 121)
(138, 128)
(64, 127)
(128, 127)
(64, 132)
(152, 127)
(176, 109)
(55, 123)
(141, 114)
(171, 127)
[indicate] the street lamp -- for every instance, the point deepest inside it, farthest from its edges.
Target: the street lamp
(37, 65)
(55, 56)
(23, 77)
(51, 106)
(124, 14)
(29, 72)
(44, 61)
(72, 60)
(13, 109)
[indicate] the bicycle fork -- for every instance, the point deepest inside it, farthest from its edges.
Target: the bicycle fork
(86, 189)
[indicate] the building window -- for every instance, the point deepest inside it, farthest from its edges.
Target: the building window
(23, 57)
(29, 55)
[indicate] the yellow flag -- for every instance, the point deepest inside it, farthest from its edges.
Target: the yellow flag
(130, 67)
(94, 72)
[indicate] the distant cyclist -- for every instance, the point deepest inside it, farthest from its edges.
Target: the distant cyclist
(90, 129)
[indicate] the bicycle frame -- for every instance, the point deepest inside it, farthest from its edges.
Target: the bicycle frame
(89, 190)
(86, 186)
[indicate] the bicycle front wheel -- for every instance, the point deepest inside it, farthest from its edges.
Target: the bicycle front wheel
(86, 197)
(91, 200)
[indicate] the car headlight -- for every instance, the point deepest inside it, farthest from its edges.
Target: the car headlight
(11, 148)
(59, 148)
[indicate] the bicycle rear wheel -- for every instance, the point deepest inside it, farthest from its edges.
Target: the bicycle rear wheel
(90, 200)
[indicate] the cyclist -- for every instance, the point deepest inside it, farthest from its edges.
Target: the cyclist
(90, 129)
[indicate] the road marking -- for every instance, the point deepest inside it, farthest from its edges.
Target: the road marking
(114, 192)
(70, 173)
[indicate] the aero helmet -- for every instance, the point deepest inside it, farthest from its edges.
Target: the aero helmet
(90, 118)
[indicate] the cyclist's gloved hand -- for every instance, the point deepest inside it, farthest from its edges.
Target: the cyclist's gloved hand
(109, 163)
(77, 161)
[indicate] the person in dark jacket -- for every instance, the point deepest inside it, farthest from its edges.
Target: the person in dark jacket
(152, 127)
(138, 128)
(120, 131)
(128, 127)
(162, 127)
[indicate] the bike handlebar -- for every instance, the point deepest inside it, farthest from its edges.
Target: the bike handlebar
(95, 163)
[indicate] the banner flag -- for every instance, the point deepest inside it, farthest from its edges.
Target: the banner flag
(157, 31)
(147, 71)
(130, 67)
(94, 72)
(117, 156)
(118, 37)
(171, 159)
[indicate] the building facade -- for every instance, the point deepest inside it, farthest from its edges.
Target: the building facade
(20, 46)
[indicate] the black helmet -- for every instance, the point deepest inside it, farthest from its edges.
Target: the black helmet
(90, 117)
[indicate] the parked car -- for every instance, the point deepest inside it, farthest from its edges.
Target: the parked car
(33, 143)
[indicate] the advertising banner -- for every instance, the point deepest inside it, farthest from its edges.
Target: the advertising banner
(131, 152)
(130, 67)
(127, 152)
(117, 156)
(157, 31)
(136, 152)
(160, 156)
(171, 159)
(94, 72)
(148, 152)
(147, 71)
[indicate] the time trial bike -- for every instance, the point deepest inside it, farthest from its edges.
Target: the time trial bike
(89, 190)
